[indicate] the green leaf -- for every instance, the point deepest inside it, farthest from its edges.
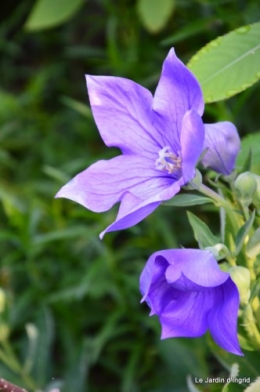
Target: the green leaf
(228, 64)
(233, 387)
(61, 234)
(248, 162)
(253, 245)
(42, 332)
(244, 343)
(186, 200)
(187, 362)
(191, 386)
(248, 364)
(76, 374)
(202, 232)
(50, 13)
(190, 30)
(242, 233)
(56, 174)
(250, 142)
(155, 14)
(78, 106)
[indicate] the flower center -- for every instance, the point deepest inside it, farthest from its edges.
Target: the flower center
(168, 161)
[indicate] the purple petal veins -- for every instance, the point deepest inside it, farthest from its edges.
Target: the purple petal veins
(189, 293)
(223, 144)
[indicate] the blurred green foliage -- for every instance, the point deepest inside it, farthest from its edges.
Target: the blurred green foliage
(72, 316)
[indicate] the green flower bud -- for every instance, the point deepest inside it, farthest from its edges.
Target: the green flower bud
(246, 186)
(241, 277)
(219, 251)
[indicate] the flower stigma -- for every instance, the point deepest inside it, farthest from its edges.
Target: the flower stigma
(168, 161)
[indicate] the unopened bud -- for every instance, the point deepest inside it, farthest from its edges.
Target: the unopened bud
(219, 251)
(241, 277)
(246, 186)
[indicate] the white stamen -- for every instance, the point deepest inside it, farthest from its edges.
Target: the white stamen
(168, 161)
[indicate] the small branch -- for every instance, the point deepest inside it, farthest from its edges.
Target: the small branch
(6, 386)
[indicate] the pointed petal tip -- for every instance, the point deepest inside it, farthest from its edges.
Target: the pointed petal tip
(235, 350)
(171, 53)
(89, 81)
(101, 235)
(163, 336)
(240, 353)
(90, 78)
(59, 194)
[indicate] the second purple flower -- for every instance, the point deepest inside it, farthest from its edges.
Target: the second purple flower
(189, 293)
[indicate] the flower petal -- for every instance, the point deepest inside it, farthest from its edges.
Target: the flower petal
(123, 113)
(156, 292)
(191, 139)
(104, 183)
(223, 144)
(178, 92)
(132, 210)
(199, 266)
(152, 273)
(130, 217)
(190, 294)
(186, 315)
(222, 318)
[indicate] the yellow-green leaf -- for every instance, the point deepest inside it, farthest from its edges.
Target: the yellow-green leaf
(229, 64)
(50, 13)
(154, 14)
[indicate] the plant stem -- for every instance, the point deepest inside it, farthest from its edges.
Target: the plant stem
(219, 200)
(222, 203)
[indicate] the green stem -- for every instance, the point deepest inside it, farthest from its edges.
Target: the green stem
(8, 362)
(250, 262)
(220, 202)
(227, 210)
(243, 208)
(245, 211)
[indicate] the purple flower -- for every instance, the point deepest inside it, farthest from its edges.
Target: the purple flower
(190, 294)
(223, 144)
(161, 139)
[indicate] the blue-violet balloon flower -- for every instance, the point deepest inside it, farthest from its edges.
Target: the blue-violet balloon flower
(190, 294)
(161, 139)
